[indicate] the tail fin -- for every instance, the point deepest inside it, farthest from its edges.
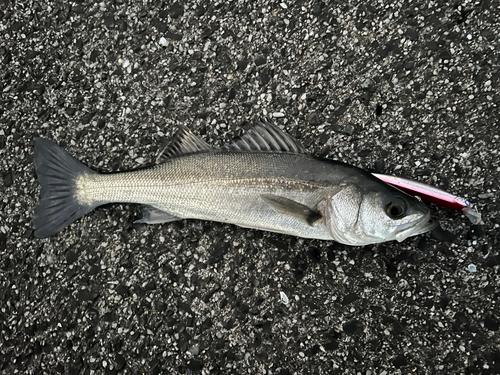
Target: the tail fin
(57, 172)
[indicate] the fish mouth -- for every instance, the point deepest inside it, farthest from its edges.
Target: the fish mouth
(415, 228)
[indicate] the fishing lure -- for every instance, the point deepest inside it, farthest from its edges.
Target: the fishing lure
(432, 194)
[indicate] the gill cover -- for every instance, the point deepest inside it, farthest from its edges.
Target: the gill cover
(357, 216)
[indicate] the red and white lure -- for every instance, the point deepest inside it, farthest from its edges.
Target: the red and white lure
(432, 194)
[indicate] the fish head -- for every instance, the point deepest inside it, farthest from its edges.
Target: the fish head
(360, 216)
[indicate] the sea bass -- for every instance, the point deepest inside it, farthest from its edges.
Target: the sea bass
(265, 180)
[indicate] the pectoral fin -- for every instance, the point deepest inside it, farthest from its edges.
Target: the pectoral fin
(294, 209)
(152, 215)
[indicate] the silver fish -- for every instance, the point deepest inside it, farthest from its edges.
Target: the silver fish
(265, 180)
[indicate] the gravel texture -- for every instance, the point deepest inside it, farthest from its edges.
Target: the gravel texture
(402, 87)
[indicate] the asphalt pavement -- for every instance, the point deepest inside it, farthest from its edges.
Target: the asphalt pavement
(408, 88)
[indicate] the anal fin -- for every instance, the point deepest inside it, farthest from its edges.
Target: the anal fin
(152, 215)
(294, 209)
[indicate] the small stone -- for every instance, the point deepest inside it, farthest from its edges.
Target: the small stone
(195, 366)
(317, 8)
(349, 130)
(351, 327)
(491, 324)
(485, 195)
(173, 36)
(325, 150)
(109, 21)
(79, 99)
(176, 10)
(350, 298)
(120, 362)
(232, 94)
(200, 11)
(260, 60)
(331, 345)
(70, 111)
(364, 152)
(422, 172)
(87, 295)
(265, 76)
(194, 350)
(436, 156)
(71, 257)
(122, 290)
(207, 31)
(163, 42)
(242, 65)
(40, 90)
(278, 114)
(313, 118)
(432, 45)
(283, 298)
(400, 361)
(162, 27)
(380, 165)
(8, 179)
(412, 34)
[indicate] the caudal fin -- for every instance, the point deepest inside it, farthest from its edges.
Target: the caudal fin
(57, 173)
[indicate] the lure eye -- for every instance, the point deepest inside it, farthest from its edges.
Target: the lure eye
(396, 208)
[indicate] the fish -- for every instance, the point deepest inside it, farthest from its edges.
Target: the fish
(264, 180)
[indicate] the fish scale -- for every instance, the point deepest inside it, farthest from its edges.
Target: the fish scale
(229, 191)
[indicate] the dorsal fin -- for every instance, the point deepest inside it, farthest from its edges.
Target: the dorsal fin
(184, 142)
(265, 136)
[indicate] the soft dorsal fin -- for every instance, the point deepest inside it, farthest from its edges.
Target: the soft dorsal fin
(265, 136)
(184, 142)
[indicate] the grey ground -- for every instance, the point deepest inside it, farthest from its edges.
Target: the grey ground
(409, 88)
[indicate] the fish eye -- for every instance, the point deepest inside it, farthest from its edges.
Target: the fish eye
(396, 208)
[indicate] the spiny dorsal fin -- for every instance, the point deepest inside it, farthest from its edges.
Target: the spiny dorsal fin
(184, 142)
(265, 136)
